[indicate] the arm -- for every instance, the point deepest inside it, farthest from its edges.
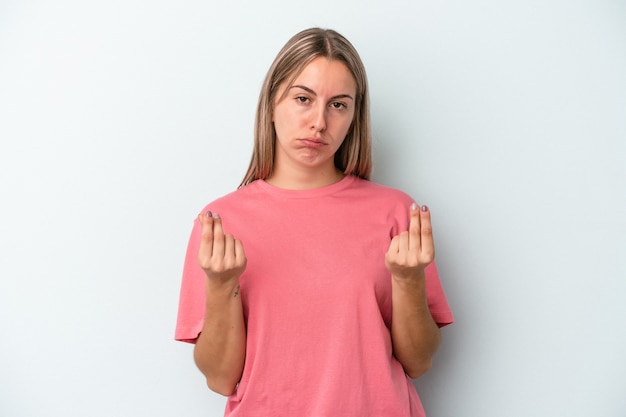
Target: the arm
(415, 335)
(220, 349)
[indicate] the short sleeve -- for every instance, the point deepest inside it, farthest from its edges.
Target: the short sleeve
(191, 308)
(437, 301)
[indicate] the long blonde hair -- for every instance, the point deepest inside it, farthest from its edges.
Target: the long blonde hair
(354, 157)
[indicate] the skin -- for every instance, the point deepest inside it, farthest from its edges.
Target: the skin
(220, 349)
(414, 333)
(311, 120)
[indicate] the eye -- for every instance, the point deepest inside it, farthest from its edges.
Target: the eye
(338, 105)
(302, 99)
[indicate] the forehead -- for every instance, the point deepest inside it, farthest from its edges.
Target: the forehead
(325, 75)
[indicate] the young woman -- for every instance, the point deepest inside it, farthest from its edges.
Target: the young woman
(310, 290)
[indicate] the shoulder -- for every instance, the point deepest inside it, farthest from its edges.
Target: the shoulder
(385, 202)
(383, 193)
(242, 195)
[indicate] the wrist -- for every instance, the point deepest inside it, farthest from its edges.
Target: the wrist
(222, 286)
(411, 278)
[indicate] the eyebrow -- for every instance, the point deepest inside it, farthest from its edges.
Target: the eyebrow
(308, 90)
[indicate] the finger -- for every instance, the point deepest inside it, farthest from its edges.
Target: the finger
(415, 238)
(229, 251)
(240, 255)
(392, 252)
(428, 246)
(218, 238)
(206, 236)
(394, 245)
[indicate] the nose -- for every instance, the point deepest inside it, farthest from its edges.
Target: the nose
(318, 122)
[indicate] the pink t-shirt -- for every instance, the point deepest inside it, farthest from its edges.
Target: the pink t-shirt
(317, 300)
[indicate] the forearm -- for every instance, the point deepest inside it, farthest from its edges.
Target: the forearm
(221, 347)
(415, 335)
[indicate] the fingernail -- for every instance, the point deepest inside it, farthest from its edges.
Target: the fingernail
(424, 208)
(208, 214)
(414, 206)
(216, 216)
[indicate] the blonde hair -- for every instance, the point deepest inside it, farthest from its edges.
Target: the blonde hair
(354, 157)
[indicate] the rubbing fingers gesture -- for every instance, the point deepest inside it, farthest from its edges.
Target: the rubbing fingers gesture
(221, 256)
(412, 250)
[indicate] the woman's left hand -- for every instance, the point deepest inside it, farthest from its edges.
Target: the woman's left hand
(412, 250)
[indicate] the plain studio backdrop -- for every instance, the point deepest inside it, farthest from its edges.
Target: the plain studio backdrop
(120, 120)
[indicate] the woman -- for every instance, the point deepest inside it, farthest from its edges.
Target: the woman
(291, 282)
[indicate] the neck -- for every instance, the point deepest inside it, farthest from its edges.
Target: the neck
(304, 179)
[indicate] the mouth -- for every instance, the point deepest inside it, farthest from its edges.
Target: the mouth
(312, 142)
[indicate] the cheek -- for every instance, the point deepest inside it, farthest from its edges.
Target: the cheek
(283, 127)
(286, 120)
(346, 125)
(278, 121)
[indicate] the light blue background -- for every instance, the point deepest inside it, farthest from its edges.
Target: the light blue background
(120, 119)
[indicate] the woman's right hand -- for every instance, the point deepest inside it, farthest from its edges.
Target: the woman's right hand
(220, 349)
(221, 256)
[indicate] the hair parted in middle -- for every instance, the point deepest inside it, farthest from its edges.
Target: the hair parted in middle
(354, 156)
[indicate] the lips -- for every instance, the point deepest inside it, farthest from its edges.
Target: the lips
(312, 142)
